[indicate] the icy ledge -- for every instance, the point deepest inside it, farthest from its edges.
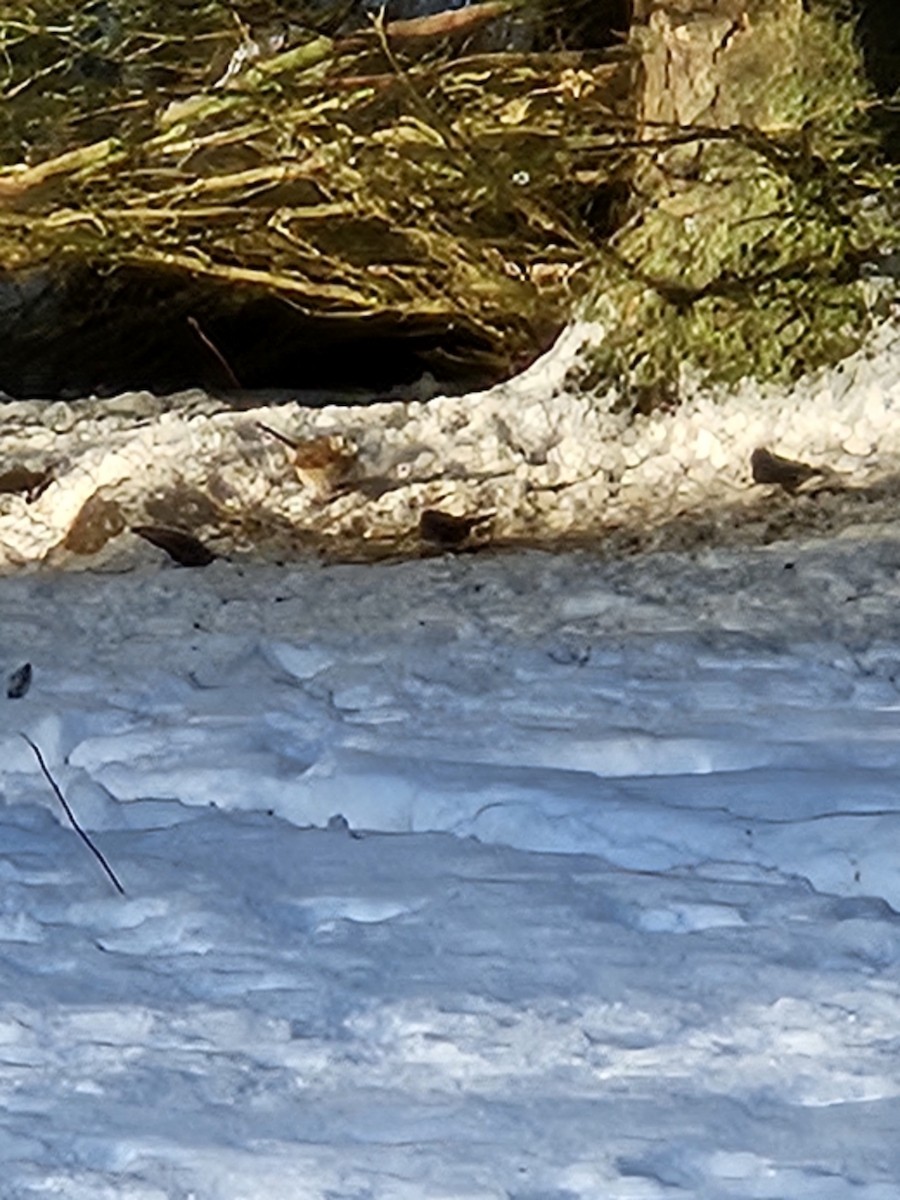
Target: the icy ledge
(550, 462)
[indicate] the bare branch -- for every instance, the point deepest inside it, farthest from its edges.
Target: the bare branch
(57, 791)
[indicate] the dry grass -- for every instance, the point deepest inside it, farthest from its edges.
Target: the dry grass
(389, 172)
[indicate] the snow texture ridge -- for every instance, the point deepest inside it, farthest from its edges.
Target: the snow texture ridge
(523, 877)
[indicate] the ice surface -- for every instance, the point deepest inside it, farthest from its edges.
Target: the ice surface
(514, 877)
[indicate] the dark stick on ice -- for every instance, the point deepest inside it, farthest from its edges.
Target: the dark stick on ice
(57, 791)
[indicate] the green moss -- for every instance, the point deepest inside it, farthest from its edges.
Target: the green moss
(746, 259)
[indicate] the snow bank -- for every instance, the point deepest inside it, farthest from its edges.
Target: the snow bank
(550, 461)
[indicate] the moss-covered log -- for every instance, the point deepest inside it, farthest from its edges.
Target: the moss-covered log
(761, 195)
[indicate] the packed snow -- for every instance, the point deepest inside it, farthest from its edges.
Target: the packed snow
(493, 876)
(546, 459)
(490, 875)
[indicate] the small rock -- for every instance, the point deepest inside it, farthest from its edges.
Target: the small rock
(19, 682)
(99, 519)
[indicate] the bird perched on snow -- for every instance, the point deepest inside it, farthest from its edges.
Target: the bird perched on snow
(444, 529)
(767, 467)
(325, 465)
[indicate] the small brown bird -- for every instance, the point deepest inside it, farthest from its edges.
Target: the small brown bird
(444, 529)
(26, 481)
(785, 472)
(323, 464)
(181, 547)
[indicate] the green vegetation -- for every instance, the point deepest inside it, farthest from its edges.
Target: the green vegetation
(712, 186)
(394, 171)
(744, 254)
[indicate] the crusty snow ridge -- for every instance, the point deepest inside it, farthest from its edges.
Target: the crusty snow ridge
(551, 462)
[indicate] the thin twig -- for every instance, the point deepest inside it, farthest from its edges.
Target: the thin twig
(534, 212)
(68, 811)
(214, 349)
(281, 437)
